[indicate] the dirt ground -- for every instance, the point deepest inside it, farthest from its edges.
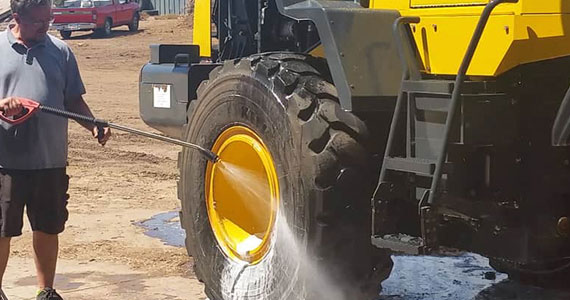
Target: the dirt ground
(103, 254)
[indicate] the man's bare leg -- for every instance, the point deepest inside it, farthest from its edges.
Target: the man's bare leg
(45, 257)
(4, 254)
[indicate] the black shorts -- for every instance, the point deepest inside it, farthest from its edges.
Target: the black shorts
(42, 192)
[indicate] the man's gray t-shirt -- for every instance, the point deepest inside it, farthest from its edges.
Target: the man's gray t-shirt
(47, 73)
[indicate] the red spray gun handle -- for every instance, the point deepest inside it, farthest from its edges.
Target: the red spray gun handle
(30, 106)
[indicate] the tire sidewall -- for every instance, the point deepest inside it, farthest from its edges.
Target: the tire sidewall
(242, 99)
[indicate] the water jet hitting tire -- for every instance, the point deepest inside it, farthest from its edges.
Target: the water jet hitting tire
(276, 116)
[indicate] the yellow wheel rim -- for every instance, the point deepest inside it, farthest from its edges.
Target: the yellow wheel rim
(242, 194)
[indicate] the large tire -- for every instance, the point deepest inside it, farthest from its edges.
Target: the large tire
(325, 181)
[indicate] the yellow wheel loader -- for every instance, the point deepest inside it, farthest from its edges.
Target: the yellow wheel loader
(361, 129)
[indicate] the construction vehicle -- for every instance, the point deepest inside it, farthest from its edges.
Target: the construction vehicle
(377, 127)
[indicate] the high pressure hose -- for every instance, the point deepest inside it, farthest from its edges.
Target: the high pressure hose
(211, 156)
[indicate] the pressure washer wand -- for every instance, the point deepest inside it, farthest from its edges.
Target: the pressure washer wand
(211, 156)
(32, 106)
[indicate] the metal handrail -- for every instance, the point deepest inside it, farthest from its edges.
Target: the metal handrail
(401, 21)
(405, 48)
(457, 89)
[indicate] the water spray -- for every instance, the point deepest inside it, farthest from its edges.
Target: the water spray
(32, 106)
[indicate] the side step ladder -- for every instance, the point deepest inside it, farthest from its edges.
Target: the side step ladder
(430, 106)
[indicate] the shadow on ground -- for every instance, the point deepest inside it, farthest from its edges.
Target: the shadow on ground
(90, 35)
(75, 282)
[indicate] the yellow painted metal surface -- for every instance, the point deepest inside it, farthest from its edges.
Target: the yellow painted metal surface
(319, 51)
(517, 33)
(201, 34)
(439, 3)
(242, 195)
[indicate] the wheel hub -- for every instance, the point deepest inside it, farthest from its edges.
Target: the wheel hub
(242, 195)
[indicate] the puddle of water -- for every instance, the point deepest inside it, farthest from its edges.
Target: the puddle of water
(166, 227)
(438, 277)
(413, 277)
(456, 277)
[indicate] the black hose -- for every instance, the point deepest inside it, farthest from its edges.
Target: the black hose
(74, 116)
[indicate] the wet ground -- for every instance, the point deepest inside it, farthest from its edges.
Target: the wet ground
(466, 276)
(463, 276)
(433, 277)
(166, 227)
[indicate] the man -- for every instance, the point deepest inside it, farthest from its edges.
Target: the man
(33, 155)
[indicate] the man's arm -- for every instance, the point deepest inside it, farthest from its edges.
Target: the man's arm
(79, 106)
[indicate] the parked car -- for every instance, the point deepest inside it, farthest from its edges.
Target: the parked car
(97, 15)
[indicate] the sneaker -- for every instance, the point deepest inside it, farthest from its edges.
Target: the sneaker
(48, 294)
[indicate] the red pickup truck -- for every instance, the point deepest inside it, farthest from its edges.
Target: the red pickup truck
(97, 15)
